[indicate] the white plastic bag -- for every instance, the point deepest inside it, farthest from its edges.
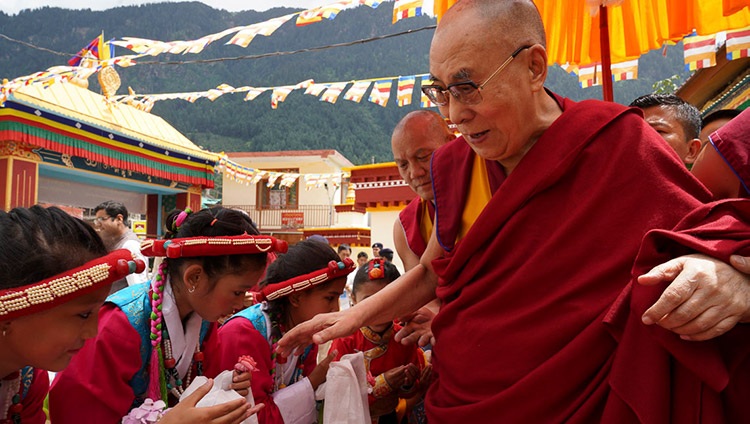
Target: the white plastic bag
(345, 391)
(220, 393)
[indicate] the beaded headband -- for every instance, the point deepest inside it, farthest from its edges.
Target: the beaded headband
(303, 282)
(376, 269)
(48, 293)
(213, 246)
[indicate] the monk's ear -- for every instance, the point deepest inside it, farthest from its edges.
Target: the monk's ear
(694, 148)
(537, 62)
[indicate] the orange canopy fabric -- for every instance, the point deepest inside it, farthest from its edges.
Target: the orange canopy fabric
(635, 26)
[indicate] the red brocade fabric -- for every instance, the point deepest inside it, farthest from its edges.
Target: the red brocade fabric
(520, 334)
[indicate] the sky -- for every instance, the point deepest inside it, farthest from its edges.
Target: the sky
(14, 6)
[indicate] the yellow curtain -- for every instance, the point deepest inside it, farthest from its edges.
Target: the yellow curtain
(635, 26)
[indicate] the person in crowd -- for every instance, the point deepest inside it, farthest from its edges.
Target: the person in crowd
(413, 141)
(387, 254)
(361, 258)
(715, 120)
(415, 137)
(541, 208)
(111, 222)
(723, 165)
(376, 249)
(677, 122)
(395, 368)
(62, 264)
(344, 251)
(299, 285)
(56, 273)
(155, 338)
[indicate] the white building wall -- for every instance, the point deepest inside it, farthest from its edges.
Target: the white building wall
(381, 230)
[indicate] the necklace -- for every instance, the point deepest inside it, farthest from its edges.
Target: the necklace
(278, 361)
(10, 395)
(172, 378)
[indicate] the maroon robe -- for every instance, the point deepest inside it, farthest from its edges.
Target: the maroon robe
(411, 221)
(520, 336)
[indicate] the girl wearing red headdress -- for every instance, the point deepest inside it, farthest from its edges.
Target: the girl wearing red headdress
(155, 338)
(299, 285)
(54, 274)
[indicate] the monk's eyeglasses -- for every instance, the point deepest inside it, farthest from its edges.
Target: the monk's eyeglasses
(466, 92)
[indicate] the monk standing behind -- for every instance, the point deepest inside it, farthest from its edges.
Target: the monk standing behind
(541, 207)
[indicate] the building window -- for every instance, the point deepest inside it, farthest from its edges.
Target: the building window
(276, 196)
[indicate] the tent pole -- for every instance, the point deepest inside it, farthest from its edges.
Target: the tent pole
(606, 59)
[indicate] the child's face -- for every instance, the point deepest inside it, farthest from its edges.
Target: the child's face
(367, 289)
(227, 295)
(715, 174)
(49, 339)
(320, 300)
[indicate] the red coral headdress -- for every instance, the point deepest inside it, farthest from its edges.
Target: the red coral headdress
(303, 282)
(48, 293)
(213, 246)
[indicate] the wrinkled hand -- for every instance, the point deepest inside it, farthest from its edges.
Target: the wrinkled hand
(233, 412)
(241, 382)
(705, 299)
(320, 329)
(417, 328)
(401, 376)
(318, 375)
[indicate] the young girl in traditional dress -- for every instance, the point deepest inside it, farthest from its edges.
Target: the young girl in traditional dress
(54, 274)
(395, 369)
(298, 285)
(154, 339)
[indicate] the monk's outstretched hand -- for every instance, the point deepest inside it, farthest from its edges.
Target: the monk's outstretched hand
(417, 328)
(320, 329)
(705, 297)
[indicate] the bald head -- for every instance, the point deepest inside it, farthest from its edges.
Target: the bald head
(513, 21)
(414, 139)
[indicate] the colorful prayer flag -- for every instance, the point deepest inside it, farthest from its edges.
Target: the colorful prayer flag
(96, 48)
(590, 75)
(700, 51)
(333, 91)
(254, 92)
(279, 95)
(317, 14)
(738, 44)
(405, 90)
(403, 9)
(245, 35)
(381, 92)
(425, 101)
(357, 91)
(625, 70)
(315, 89)
(372, 3)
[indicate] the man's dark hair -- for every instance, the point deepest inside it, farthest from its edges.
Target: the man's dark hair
(113, 209)
(362, 255)
(343, 247)
(386, 253)
(719, 114)
(688, 115)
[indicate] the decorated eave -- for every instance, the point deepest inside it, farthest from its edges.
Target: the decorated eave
(380, 185)
(76, 121)
(724, 86)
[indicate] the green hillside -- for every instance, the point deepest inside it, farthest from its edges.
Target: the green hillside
(360, 131)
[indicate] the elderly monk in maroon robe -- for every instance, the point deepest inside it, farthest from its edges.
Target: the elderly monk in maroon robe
(413, 141)
(541, 209)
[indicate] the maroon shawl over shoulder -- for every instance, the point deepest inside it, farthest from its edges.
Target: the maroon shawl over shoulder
(520, 336)
(411, 221)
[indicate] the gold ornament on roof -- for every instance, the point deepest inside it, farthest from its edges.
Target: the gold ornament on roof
(109, 80)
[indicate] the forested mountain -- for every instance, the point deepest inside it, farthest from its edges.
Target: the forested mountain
(360, 131)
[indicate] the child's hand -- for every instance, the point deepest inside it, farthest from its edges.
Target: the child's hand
(318, 375)
(233, 412)
(402, 376)
(241, 382)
